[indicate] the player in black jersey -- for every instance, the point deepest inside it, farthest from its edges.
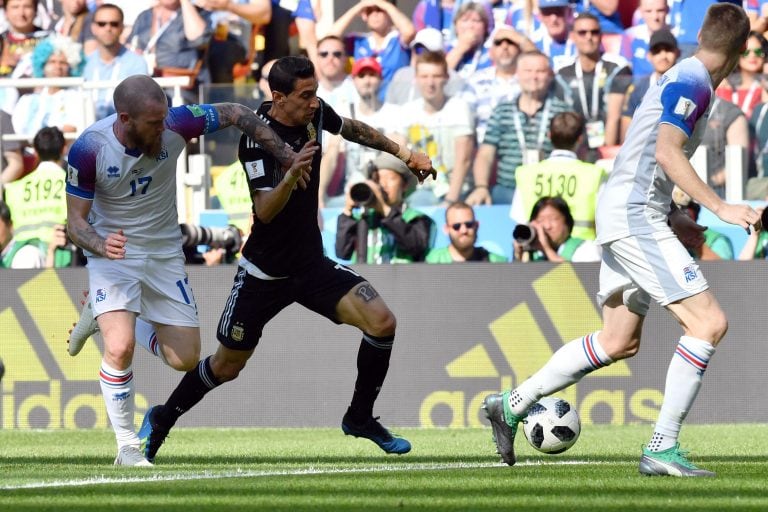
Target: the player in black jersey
(283, 260)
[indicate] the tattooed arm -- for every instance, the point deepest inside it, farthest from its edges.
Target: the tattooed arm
(251, 125)
(85, 237)
(361, 133)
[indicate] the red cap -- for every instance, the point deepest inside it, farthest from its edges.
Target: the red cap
(366, 63)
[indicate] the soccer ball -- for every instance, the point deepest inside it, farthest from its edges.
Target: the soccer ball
(552, 425)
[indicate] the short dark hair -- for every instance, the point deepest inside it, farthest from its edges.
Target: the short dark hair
(586, 16)
(559, 204)
(49, 143)
(109, 6)
(5, 212)
(436, 58)
(287, 70)
(565, 129)
(458, 205)
(331, 37)
(725, 28)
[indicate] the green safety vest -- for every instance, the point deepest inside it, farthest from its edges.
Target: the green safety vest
(381, 243)
(575, 181)
(566, 250)
(38, 202)
(61, 257)
(443, 255)
(235, 196)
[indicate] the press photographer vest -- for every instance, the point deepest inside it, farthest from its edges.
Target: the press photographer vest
(38, 202)
(566, 250)
(575, 181)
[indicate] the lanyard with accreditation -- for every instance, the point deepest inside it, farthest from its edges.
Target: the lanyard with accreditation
(595, 127)
(531, 156)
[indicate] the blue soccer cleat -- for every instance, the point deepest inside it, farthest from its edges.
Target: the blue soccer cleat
(377, 433)
(152, 434)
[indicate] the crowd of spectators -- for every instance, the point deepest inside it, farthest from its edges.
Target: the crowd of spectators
(515, 101)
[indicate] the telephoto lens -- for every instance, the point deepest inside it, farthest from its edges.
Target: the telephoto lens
(361, 194)
(524, 234)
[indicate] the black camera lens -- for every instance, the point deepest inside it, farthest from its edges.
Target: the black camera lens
(361, 193)
(524, 234)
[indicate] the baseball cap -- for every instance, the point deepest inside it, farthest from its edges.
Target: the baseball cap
(544, 4)
(430, 38)
(662, 36)
(507, 32)
(366, 63)
(391, 162)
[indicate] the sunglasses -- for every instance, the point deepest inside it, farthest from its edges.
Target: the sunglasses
(470, 224)
(757, 52)
(102, 24)
(337, 54)
(499, 42)
(593, 32)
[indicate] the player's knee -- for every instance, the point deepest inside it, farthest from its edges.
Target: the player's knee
(382, 324)
(714, 328)
(619, 348)
(120, 354)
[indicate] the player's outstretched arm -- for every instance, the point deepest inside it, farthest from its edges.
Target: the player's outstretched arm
(672, 159)
(257, 130)
(361, 133)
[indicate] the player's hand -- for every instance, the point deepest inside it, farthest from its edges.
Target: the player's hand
(421, 166)
(114, 245)
(298, 172)
(690, 234)
(740, 215)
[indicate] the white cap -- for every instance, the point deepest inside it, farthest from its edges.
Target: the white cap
(430, 38)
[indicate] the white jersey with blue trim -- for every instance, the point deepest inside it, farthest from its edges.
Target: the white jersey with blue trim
(637, 196)
(133, 191)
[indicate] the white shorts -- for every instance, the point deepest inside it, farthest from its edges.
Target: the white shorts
(642, 267)
(155, 288)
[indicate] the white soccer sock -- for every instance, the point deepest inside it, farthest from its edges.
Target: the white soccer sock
(147, 338)
(118, 391)
(566, 366)
(683, 382)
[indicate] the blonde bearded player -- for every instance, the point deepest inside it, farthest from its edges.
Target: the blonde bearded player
(121, 186)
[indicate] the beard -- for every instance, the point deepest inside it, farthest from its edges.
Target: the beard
(150, 146)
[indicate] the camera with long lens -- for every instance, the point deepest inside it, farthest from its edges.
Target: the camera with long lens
(361, 194)
(524, 235)
(227, 238)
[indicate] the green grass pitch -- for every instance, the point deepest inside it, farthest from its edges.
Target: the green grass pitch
(321, 469)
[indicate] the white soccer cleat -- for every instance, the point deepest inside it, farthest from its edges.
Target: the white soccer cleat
(131, 456)
(84, 329)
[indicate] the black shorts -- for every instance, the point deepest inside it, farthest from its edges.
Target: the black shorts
(253, 302)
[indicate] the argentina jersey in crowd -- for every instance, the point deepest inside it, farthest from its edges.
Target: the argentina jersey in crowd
(133, 191)
(637, 196)
(292, 239)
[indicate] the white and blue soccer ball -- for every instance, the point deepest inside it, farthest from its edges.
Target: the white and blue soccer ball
(552, 425)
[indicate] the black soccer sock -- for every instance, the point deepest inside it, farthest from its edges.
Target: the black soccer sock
(372, 366)
(192, 388)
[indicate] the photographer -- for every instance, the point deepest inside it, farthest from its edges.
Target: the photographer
(376, 219)
(548, 235)
(38, 204)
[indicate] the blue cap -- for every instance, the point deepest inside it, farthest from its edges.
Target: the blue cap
(543, 4)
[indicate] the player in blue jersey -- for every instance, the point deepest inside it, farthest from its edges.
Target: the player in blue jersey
(641, 230)
(283, 263)
(121, 209)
